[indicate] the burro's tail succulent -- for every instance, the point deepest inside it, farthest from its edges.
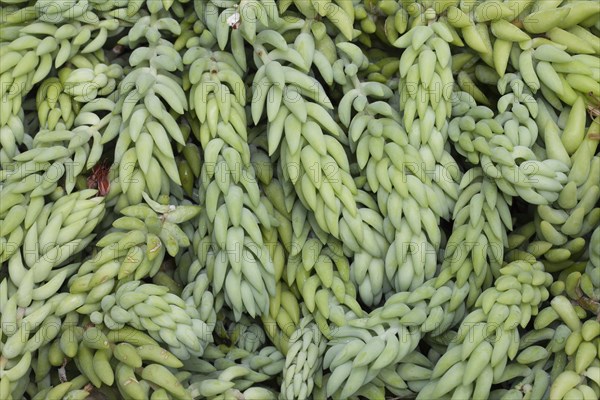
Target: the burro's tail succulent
(296, 199)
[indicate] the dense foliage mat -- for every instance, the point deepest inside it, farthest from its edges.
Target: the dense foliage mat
(297, 199)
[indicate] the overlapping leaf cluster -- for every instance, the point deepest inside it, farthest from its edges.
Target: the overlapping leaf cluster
(297, 199)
